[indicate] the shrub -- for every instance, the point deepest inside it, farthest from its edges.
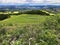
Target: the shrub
(47, 37)
(4, 16)
(51, 22)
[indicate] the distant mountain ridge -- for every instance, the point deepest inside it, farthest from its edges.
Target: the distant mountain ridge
(28, 7)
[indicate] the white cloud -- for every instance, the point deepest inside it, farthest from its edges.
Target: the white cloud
(46, 1)
(13, 1)
(38, 1)
(31, 1)
(53, 1)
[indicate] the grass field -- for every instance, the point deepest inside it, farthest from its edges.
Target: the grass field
(25, 18)
(34, 29)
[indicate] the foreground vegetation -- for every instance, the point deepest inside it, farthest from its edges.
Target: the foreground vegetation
(30, 29)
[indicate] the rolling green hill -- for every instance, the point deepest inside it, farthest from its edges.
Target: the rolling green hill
(25, 18)
(30, 29)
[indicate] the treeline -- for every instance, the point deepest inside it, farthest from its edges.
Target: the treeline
(35, 12)
(25, 12)
(5, 15)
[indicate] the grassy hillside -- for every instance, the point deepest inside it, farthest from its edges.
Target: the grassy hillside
(25, 18)
(30, 29)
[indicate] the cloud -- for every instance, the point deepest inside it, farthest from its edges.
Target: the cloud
(47, 1)
(38, 1)
(53, 1)
(13, 1)
(30, 1)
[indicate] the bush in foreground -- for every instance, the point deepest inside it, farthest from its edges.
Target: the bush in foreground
(27, 35)
(4, 16)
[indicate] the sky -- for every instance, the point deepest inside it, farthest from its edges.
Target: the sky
(57, 2)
